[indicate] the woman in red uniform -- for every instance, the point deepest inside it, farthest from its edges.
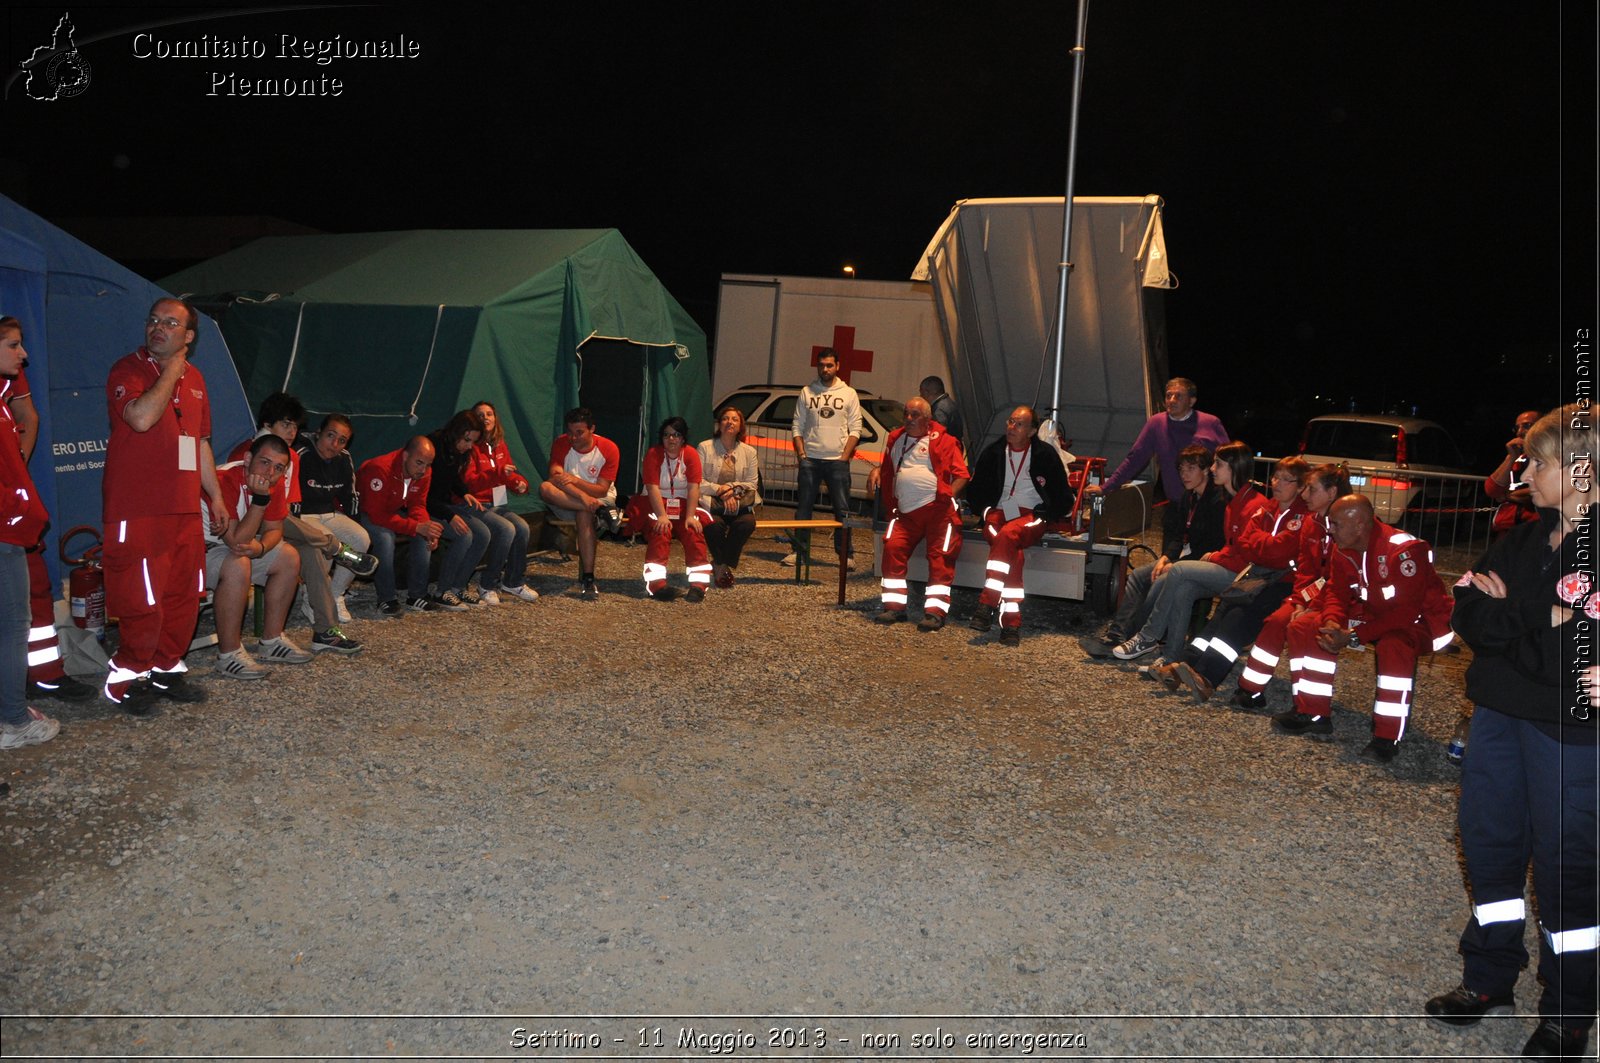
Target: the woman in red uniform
(491, 477)
(670, 508)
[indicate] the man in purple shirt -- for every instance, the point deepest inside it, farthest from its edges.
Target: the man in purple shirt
(1164, 435)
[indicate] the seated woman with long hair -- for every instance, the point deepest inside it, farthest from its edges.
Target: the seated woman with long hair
(492, 477)
(729, 493)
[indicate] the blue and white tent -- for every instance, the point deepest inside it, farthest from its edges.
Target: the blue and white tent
(80, 312)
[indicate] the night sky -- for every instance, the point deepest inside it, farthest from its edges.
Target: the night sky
(1365, 202)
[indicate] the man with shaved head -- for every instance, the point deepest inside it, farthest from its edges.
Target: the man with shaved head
(922, 469)
(1381, 592)
(394, 502)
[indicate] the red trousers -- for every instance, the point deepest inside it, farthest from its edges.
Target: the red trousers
(155, 576)
(658, 545)
(44, 651)
(1002, 585)
(939, 526)
(1312, 669)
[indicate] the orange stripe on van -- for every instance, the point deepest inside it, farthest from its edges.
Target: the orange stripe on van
(873, 456)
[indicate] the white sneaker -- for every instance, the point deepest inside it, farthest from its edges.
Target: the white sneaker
(340, 610)
(524, 592)
(788, 560)
(488, 597)
(282, 651)
(238, 664)
(38, 728)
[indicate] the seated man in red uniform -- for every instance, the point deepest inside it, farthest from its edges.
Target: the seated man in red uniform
(394, 502)
(581, 487)
(1382, 592)
(159, 466)
(1020, 486)
(922, 469)
(251, 551)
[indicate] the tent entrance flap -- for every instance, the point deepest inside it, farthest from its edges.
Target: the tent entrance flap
(613, 385)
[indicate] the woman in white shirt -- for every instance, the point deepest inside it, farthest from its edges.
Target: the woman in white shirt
(729, 492)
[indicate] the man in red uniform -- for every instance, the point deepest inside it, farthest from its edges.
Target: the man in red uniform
(1381, 591)
(252, 550)
(1020, 486)
(394, 501)
(581, 487)
(158, 465)
(921, 471)
(47, 677)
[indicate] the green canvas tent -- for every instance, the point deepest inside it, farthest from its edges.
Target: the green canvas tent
(399, 330)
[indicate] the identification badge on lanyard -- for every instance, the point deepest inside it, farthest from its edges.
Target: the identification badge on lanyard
(674, 508)
(499, 495)
(188, 454)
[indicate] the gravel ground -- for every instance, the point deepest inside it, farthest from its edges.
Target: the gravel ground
(586, 820)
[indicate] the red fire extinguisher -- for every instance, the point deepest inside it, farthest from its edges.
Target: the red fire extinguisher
(86, 585)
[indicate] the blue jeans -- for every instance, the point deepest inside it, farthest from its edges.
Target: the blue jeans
(1525, 796)
(836, 473)
(506, 563)
(417, 561)
(1173, 598)
(461, 552)
(15, 618)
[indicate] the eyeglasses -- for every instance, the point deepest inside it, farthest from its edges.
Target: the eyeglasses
(671, 435)
(165, 322)
(1018, 422)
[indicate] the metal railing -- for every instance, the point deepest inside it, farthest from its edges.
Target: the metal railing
(1449, 510)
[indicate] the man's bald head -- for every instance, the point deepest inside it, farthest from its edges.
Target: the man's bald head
(918, 415)
(1350, 521)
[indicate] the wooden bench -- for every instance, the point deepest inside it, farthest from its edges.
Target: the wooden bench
(802, 549)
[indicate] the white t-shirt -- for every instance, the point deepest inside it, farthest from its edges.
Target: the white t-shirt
(915, 482)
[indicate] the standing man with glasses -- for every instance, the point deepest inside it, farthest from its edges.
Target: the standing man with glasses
(159, 466)
(1164, 436)
(826, 429)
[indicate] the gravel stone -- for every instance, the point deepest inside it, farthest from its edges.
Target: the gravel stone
(615, 816)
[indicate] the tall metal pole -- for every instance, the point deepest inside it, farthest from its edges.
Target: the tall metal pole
(1066, 214)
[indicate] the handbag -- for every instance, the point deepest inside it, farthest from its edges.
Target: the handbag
(1250, 583)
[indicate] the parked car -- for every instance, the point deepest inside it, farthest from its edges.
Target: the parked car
(769, 418)
(1410, 468)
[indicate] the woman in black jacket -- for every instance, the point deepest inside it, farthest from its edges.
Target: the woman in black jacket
(1528, 781)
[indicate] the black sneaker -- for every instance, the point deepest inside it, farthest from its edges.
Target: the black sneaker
(1382, 750)
(1097, 647)
(392, 608)
(175, 686)
(588, 592)
(334, 641)
(889, 616)
(1461, 1007)
(1009, 636)
(1299, 723)
(1245, 701)
(668, 593)
(982, 618)
(1551, 1040)
(695, 595)
(931, 622)
(422, 605)
(361, 564)
(65, 689)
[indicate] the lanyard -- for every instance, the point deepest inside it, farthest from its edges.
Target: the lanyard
(908, 443)
(1016, 470)
(672, 469)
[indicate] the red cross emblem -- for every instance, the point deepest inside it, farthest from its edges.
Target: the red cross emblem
(844, 345)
